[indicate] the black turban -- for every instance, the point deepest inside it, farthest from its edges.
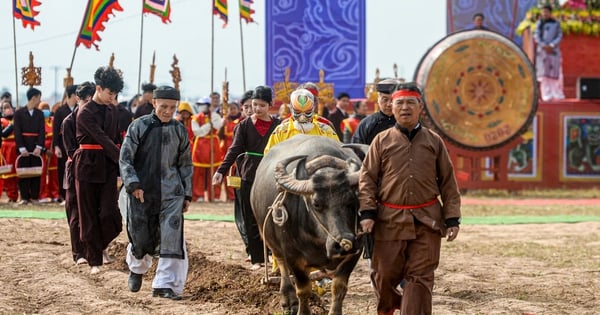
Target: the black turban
(166, 92)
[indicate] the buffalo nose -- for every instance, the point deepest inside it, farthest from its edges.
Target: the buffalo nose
(347, 244)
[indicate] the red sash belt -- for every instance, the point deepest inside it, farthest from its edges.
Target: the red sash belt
(30, 134)
(404, 207)
(90, 147)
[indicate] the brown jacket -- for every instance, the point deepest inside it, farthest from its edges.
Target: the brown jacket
(403, 172)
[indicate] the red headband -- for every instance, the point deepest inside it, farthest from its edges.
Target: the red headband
(313, 91)
(401, 93)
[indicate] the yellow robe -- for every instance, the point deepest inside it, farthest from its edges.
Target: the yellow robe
(287, 130)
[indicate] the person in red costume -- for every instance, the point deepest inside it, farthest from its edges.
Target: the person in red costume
(9, 152)
(206, 152)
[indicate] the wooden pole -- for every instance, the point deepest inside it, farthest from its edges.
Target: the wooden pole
(141, 46)
(16, 68)
(243, 60)
(212, 51)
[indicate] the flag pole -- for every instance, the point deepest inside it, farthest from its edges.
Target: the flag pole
(243, 61)
(212, 51)
(16, 67)
(73, 58)
(141, 46)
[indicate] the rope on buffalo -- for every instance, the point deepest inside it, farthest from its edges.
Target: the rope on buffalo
(278, 211)
(344, 243)
(279, 217)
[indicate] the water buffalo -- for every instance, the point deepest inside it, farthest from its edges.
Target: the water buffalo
(305, 203)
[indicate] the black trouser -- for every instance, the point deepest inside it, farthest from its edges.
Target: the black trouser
(255, 242)
(239, 217)
(29, 188)
(100, 221)
(61, 173)
(72, 212)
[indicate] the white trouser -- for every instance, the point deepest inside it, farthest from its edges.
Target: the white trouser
(551, 88)
(171, 273)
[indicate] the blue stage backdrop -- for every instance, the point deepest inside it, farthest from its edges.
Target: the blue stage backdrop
(311, 35)
(502, 16)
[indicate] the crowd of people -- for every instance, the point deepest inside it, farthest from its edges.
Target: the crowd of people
(89, 141)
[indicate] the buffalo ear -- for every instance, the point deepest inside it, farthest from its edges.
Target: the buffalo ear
(358, 148)
(353, 179)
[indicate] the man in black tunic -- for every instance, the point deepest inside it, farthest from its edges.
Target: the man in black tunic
(30, 138)
(96, 164)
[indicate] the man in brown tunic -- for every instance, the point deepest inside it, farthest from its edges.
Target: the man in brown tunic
(96, 164)
(409, 200)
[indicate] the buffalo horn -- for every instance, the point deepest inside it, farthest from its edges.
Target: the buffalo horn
(359, 149)
(289, 182)
(325, 161)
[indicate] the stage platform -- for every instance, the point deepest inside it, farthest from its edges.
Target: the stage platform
(560, 150)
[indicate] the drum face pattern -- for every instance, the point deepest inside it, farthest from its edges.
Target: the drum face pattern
(480, 89)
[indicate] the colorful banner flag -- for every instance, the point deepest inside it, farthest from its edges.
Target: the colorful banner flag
(25, 10)
(220, 8)
(246, 11)
(96, 14)
(161, 8)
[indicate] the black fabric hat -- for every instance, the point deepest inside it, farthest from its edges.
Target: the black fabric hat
(166, 92)
(148, 87)
(387, 86)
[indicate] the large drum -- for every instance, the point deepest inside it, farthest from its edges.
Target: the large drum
(479, 88)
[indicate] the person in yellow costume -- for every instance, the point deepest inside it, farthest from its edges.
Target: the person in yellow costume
(302, 120)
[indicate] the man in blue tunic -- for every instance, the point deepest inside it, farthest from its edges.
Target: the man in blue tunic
(548, 35)
(156, 169)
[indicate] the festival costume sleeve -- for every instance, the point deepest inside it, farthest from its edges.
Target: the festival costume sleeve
(129, 176)
(18, 126)
(40, 123)
(558, 37)
(449, 192)
(275, 137)
(85, 121)
(237, 147)
(184, 163)
(367, 182)
(68, 135)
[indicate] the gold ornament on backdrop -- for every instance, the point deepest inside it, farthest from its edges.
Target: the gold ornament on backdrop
(371, 89)
(225, 96)
(111, 61)
(152, 68)
(326, 94)
(68, 80)
(283, 89)
(175, 73)
(31, 75)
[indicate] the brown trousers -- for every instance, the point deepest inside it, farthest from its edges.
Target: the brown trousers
(100, 221)
(412, 260)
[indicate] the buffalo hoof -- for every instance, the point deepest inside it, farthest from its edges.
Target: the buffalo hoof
(291, 311)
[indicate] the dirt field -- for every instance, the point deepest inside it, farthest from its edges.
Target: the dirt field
(495, 269)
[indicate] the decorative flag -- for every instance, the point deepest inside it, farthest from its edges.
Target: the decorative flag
(161, 8)
(220, 8)
(25, 10)
(96, 14)
(245, 10)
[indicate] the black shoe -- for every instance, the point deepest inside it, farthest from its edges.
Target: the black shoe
(166, 293)
(135, 281)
